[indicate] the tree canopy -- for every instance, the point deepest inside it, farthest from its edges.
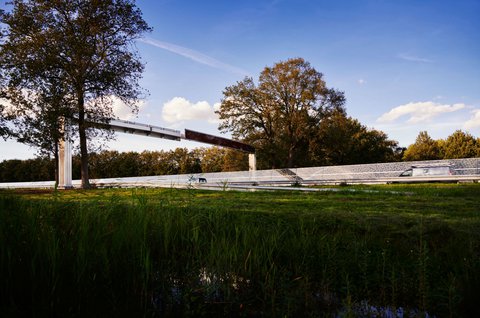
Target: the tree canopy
(278, 114)
(343, 140)
(78, 52)
(424, 148)
(458, 145)
(4, 130)
(293, 119)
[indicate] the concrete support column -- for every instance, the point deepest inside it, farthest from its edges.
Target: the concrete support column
(65, 164)
(252, 162)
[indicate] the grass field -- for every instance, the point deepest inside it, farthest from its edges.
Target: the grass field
(168, 252)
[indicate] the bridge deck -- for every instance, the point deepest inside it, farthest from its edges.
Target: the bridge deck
(145, 130)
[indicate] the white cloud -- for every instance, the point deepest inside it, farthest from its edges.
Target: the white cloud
(419, 112)
(194, 55)
(122, 111)
(412, 58)
(473, 122)
(119, 108)
(180, 109)
(361, 81)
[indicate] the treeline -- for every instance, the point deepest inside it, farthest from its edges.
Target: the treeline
(113, 164)
(352, 150)
(38, 169)
(458, 145)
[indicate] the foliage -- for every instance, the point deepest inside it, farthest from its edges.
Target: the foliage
(424, 148)
(114, 164)
(343, 140)
(294, 120)
(39, 169)
(4, 129)
(77, 51)
(277, 115)
(458, 145)
(202, 253)
(235, 161)
(212, 158)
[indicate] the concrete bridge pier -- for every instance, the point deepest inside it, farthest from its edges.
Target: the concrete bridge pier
(252, 162)
(65, 164)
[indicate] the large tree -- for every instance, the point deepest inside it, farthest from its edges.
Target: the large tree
(86, 45)
(279, 114)
(460, 145)
(424, 148)
(37, 99)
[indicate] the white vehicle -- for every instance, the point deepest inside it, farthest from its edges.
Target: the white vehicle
(420, 171)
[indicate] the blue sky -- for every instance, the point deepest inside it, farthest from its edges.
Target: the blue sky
(405, 66)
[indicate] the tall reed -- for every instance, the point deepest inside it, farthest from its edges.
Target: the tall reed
(167, 253)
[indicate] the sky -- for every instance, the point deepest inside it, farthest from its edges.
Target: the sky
(404, 66)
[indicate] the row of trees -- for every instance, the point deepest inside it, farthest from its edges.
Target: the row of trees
(458, 145)
(38, 169)
(113, 164)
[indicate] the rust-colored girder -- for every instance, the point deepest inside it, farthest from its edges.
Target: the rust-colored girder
(219, 141)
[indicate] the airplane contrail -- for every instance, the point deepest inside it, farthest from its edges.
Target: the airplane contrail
(194, 55)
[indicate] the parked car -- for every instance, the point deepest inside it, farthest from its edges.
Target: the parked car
(420, 171)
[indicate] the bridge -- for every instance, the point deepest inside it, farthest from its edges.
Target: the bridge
(65, 149)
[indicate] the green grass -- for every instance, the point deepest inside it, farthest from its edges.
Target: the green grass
(170, 252)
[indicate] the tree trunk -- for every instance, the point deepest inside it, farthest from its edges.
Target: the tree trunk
(291, 151)
(83, 141)
(292, 144)
(291, 154)
(55, 155)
